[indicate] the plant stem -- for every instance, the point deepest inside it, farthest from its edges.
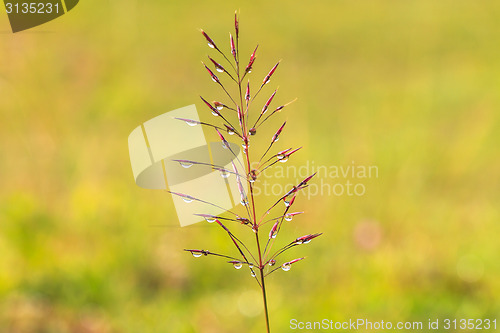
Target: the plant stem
(261, 264)
(255, 225)
(263, 285)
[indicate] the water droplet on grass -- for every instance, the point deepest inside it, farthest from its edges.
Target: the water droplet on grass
(210, 219)
(187, 199)
(274, 234)
(186, 164)
(191, 122)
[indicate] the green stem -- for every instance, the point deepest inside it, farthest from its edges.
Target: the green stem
(263, 284)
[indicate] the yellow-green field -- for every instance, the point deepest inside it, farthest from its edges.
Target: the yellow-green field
(410, 87)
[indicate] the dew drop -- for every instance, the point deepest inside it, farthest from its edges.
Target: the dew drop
(187, 199)
(219, 107)
(284, 159)
(186, 164)
(191, 122)
(306, 242)
(272, 262)
(210, 219)
(211, 45)
(280, 156)
(224, 174)
(230, 131)
(252, 273)
(286, 267)
(196, 254)
(250, 265)
(238, 265)
(288, 217)
(220, 70)
(244, 201)
(288, 200)
(224, 145)
(215, 113)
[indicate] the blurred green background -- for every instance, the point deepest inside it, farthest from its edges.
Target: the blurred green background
(411, 87)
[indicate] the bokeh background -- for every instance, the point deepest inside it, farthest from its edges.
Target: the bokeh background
(411, 87)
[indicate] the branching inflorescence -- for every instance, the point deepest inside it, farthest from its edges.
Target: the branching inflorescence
(264, 261)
